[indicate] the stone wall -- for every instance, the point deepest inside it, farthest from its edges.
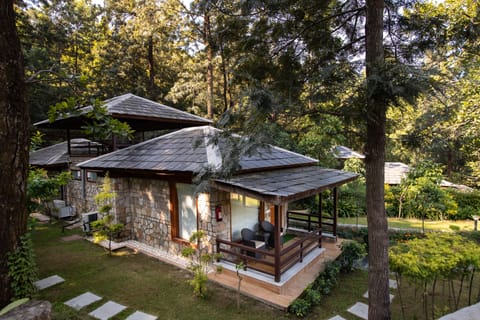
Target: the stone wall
(207, 220)
(143, 206)
(75, 195)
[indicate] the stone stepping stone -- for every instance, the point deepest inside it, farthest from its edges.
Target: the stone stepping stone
(83, 300)
(365, 295)
(467, 313)
(392, 284)
(337, 318)
(73, 237)
(40, 217)
(360, 310)
(139, 315)
(107, 310)
(48, 282)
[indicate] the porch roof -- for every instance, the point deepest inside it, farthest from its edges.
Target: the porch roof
(285, 185)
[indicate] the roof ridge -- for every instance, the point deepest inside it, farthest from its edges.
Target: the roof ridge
(169, 107)
(214, 156)
(50, 146)
(116, 100)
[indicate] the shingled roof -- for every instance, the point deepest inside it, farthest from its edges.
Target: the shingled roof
(57, 155)
(189, 150)
(285, 185)
(140, 113)
(395, 172)
(51, 156)
(342, 152)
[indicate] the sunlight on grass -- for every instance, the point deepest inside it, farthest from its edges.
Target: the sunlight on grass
(445, 225)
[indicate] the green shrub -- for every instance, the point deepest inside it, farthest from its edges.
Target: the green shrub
(200, 260)
(468, 203)
(351, 252)
(22, 269)
(398, 236)
(299, 307)
(313, 296)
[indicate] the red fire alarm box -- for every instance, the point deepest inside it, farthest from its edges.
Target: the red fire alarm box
(218, 213)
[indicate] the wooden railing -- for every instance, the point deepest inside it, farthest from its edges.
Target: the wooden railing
(266, 261)
(311, 221)
(302, 220)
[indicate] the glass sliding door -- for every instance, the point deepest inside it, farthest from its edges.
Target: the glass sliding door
(244, 213)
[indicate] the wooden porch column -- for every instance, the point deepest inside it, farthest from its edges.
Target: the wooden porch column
(320, 219)
(68, 142)
(335, 211)
(277, 243)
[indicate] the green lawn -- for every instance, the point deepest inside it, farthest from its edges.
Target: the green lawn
(446, 225)
(134, 280)
(146, 284)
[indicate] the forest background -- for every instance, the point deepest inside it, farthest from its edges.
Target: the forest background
(290, 73)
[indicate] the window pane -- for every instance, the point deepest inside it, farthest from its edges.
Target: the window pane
(187, 217)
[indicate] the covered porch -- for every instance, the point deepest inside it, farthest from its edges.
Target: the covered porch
(297, 235)
(262, 287)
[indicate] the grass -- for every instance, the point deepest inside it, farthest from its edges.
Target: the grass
(151, 286)
(349, 290)
(445, 225)
(134, 280)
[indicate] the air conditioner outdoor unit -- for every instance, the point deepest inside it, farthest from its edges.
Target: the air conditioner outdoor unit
(60, 210)
(66, 212)
(88, 218)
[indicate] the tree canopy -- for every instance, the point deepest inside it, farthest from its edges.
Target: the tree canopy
(306, 75)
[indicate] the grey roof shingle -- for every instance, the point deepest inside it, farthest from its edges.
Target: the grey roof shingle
(130, 104)
(395, 172)
(342, 152)
(137, 111)
(188, 150)
(54, 155)
(57, 154)
(283, 185)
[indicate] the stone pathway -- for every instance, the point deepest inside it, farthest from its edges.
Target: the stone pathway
(73, 237)
(468, 313)
(365, 295)
(138, 315)
(82, 300)
(104, 312)
(48, 282)
(360, 309)
(41, 218)
(107, 310)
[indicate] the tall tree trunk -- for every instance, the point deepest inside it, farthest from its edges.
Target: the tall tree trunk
(14, 138)
(378, 289)
(226, 86)
(209, 48)
(151, 69)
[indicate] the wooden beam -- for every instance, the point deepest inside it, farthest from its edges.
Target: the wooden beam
(335, 211)
(277, 243)
(68, 143)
